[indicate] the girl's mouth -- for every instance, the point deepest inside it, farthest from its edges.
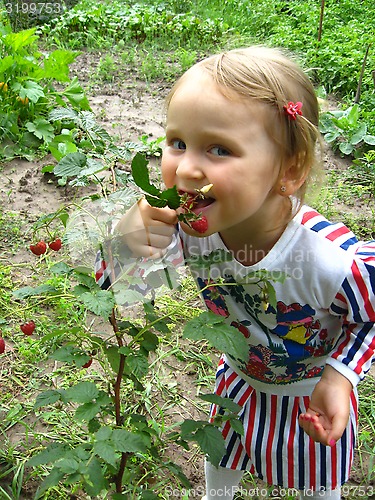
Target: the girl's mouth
(194, 202)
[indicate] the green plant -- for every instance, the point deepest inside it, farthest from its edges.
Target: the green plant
(345, 131)
(27, 92)
(362, 172)
(119, 444)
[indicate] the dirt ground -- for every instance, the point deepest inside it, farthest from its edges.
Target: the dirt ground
(127, 109)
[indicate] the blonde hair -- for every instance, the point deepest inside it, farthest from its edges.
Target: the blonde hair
(269, 76)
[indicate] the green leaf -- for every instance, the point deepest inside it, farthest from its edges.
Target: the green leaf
(369, 139)
(61, 146)
(141, 175)
(150, 342)
(178, 472)
(172, 197)
(225, 403)
(87, 411)
(52, 479)
(6, 63)
(208, 437)
(32, 90)
(53, 452)
(359, 134)
(56, 65)
(352, 115)
(47, 398)
(41, 129)
(346, 148)
(83, 392)
(99, 302)
(154, 201)
(66, 353)
(21, 39)
(137, 364)
(237, 426)
(61, 269)
(63, 114)
(129, 442)
(331, 136)
(71, 165)
(106, 450)
(225, 338)
(28, 291)
(68, 465)
(97, 481)
(76, 95)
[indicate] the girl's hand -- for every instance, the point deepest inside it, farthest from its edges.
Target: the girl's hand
(328, 414)
(147, 230)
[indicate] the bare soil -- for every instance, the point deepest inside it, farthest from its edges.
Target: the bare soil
(128, 108)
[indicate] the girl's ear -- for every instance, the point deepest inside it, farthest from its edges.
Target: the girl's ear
(292, 177)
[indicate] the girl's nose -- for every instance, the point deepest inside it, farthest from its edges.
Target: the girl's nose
(189, 167)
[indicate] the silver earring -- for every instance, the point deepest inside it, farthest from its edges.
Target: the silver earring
(283, 189)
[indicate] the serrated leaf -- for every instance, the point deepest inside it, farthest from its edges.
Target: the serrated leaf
(97, 481)
(208, 326)
(71, 165)
(87, 411)
(155, 201)
(52, 479)
(106, 450)
(129, 442)
(61, 269)
(99, 302)
(138, 365)
(53, 452)
(150, 342)
(68, 465)
(237, 426)
(28, 291)
(141, 175)
(208, 437)
(172, 197)
(225, 403)
(83, 392)
(47, 398)
(66, 353)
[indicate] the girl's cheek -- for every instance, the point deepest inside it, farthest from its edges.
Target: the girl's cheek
(168, 171)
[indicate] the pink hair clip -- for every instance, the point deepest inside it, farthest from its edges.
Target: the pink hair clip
(293, 109)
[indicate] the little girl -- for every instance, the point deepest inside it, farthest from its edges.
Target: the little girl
(246, 121)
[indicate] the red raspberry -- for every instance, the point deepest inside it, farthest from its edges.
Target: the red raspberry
(200, 225)
(39, 248)
(86, 365)
(28, 328)
(55, 245)
(2, 345)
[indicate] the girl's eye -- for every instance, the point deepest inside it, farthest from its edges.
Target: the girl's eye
(178, 144)
(219, 151)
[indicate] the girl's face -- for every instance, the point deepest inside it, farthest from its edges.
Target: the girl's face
(213, 139)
